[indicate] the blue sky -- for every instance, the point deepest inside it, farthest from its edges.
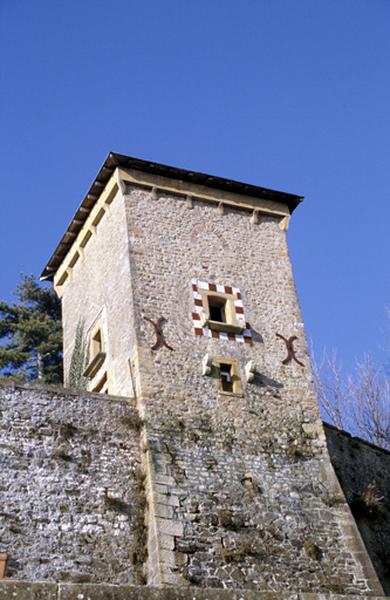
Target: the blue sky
(288, 95)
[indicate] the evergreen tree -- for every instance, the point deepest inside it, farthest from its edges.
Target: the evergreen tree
(78, 360)
(31, 334)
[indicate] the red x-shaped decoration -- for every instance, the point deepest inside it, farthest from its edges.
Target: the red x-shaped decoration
(290, 349)
(160, 341)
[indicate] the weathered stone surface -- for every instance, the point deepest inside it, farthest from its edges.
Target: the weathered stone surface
(365, 469)
(26, 590)
(233, 534)
(102, 287)
(69, 489)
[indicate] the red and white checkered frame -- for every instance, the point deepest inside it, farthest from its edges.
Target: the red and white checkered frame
(200, 329)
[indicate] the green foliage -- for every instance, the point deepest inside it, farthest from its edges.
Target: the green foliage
(31, 334)
(78, 360)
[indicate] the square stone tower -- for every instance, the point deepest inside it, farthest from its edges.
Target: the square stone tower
(177, 290)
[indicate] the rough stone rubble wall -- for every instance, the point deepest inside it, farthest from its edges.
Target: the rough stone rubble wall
(364, 473)
(238, 485)
(71, 491)
(234, 514)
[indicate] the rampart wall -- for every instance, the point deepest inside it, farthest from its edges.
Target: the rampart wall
(72, 502)
(230, 514)
(364, 473)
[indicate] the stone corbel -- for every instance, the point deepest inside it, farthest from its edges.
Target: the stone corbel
(250, 371)
(3, 564)
(207, 365)
(121, 184)
(283, 223)
(154, 193)
(255, 218)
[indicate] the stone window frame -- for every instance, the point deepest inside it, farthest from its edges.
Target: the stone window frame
(97, 352)
(199, 316)
(237, 384)
(101, 387)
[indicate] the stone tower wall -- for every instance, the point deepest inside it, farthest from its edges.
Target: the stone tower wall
(169, 245)
(238, 485)
(99, 290)
(240, 489)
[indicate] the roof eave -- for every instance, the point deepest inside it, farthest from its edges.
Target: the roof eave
(115, 160)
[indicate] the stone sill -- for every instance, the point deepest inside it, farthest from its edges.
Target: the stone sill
(224, 327)
(234, 394)
(94, 365)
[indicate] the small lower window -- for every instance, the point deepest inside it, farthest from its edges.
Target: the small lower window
(229, 379)
(226, 377)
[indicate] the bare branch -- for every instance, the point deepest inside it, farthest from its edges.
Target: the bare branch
(330, 388)
(369, 389)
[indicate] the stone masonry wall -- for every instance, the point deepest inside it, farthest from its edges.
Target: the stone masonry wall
(238, 485)
(364, 473)
(100, 285)
(72, 498)
(240, 489)
(237, 514)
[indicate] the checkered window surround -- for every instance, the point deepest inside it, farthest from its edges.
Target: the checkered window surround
(200, 329)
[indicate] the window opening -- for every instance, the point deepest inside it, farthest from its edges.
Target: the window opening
(226, 377)
(101, 387)
(217, 309)
(97, 354)
(97, 344)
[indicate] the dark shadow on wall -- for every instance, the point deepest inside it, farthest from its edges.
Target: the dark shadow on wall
(363, 471)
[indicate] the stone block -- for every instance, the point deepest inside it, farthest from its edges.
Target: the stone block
(164, 479)
(27, 590)
(161, 489)
(164, 510)
(167, 541)
(170, 527)
(166, 499)
(167, 557)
